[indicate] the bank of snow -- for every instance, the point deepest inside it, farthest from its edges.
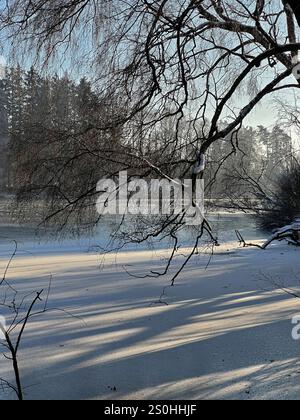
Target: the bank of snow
(225, 333)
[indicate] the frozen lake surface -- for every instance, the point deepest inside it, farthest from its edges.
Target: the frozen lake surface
(225, 333)
(223, 225)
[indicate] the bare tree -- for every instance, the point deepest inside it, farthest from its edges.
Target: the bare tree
(191, 63)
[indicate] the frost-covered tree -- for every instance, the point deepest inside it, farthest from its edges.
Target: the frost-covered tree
(203, 65)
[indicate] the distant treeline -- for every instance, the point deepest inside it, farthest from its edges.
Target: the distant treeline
(37, 111)
(249, 163)
(56, 142)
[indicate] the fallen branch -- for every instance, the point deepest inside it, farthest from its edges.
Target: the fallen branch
(289, 233)
(244, 243)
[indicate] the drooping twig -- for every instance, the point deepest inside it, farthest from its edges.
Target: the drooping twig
(11, 344)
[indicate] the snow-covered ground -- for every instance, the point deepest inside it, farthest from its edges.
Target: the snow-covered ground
(225, 333)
